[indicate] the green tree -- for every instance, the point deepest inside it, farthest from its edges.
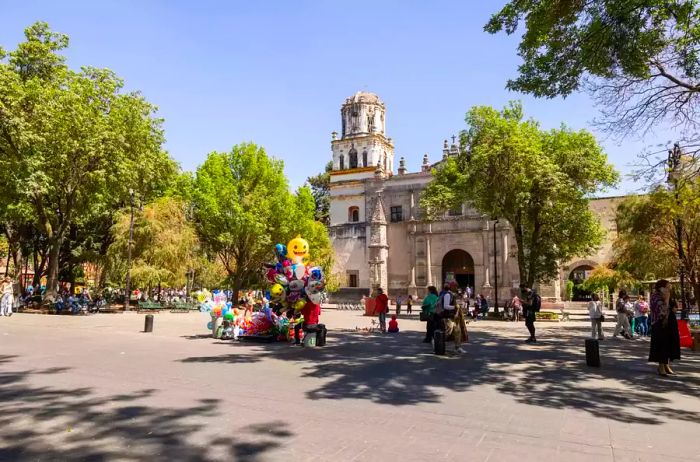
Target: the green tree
(605, 279)
(640, 59)
(165, 245)
(242, 207)
(647, 244)
(538, 180)
(72, 143)
(321, 190)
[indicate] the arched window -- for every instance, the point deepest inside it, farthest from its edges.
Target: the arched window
(364, 159)
(353, 158)
(342, 162)
(354, 214)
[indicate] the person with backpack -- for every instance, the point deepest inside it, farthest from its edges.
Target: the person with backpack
(447, 310)
(428, 313)
(531, 302)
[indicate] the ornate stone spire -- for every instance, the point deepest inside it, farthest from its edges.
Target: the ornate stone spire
(378, 215)
(402, 166)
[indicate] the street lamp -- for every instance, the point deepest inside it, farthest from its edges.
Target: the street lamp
(495, 269)
(127, 284)
(674, 165)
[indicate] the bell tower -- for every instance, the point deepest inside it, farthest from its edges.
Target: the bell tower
(363, 143)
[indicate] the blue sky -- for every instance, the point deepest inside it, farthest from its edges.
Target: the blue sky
(276, 73)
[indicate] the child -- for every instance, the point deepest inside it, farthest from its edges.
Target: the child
(393, 325)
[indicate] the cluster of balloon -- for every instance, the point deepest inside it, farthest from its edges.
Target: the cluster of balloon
(292, 277)
(216, 305)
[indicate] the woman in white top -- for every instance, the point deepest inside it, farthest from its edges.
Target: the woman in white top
(595, 311)
(7, 297)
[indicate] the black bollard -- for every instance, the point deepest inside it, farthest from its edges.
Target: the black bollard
(439, 342)
(592, 353)
(148, 327)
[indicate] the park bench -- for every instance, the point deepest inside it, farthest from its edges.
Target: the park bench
(149, 306)
(183, 307)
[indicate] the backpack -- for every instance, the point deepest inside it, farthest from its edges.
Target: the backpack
(536, 302)
(440, 305)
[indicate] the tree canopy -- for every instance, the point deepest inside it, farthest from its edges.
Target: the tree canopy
(640, 59)
(243, 207)
(647, 244)
(72, 143)
(165, 245)
(538, 180)
(320, 188)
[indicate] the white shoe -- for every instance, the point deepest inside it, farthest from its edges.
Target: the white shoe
(459, 350)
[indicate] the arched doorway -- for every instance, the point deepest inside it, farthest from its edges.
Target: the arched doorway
(458, 265)
(577, 276)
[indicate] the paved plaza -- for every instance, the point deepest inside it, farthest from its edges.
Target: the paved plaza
(97, 388)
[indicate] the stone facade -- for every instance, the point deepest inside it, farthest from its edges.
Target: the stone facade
(378, 234)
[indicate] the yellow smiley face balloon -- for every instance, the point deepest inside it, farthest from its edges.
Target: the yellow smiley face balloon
(297, 249)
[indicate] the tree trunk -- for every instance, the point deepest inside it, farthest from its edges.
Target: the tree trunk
(236, 288)
(52, 277)
(522, 267)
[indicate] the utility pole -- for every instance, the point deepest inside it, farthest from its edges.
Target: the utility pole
(674, 165)
(495, 269)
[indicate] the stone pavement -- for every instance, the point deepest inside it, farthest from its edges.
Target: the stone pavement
(96, 388)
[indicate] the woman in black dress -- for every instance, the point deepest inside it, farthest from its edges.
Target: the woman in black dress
(665, 339)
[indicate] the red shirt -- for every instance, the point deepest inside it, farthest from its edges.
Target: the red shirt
(393, 324)
(311, 312)
(381, 304)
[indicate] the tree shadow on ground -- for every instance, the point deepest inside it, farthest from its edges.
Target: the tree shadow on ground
(53, 423)
(400, 370)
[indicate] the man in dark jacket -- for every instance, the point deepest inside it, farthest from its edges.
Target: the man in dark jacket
(531, 302)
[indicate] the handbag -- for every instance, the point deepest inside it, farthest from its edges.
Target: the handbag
(424, 316)
(602, 318)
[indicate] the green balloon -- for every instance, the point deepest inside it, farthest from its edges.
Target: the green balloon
(228, 316)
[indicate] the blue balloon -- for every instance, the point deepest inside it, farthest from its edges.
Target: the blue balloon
(281, 251)
(210, 326)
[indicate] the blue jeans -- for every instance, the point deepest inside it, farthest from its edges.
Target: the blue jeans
(382, 320)
(642, 324)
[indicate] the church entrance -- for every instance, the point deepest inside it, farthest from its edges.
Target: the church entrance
(458, 265)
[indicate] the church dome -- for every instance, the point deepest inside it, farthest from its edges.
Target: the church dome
(364, 97)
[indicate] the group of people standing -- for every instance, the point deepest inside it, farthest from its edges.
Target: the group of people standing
(440, 310)
(657, 318)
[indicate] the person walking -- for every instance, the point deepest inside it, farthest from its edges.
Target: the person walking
(428, 313)
(665, 340)
(641, 315)
(531, 303)
(399, 300)
(381, 307)
(484, 308)
(409, 304)
(623, 322)
(7, 296)
(516, 307)
(595, 312)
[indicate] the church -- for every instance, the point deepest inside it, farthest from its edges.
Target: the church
(381, 239)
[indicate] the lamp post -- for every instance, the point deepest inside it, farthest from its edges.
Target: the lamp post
(674, 164)
(127, 283)
(495, 269)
